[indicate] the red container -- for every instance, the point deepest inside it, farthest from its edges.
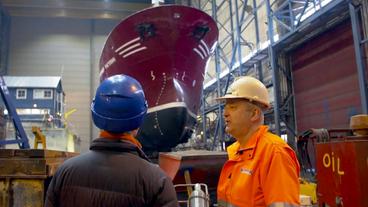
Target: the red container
(342, 172)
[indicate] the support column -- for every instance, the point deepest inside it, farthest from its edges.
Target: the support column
(359, 57)
(275, 74)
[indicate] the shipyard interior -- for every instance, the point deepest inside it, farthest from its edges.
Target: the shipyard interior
(187, 64)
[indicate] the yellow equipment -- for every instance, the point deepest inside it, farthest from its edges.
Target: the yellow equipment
(39, 137)
(308, 189)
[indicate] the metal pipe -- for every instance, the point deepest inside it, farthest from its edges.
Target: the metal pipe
(256, 23)
(238, 36)
(275, 77)
(259, 66)
(358, 58)
(218, 71)
(204, 118)
(232, 23)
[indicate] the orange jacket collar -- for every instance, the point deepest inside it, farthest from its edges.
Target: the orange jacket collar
(234, 149)
(123, 136)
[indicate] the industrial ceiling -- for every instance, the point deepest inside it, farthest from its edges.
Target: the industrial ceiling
(84, 9)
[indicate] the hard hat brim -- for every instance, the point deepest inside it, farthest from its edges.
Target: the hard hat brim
(228, 97)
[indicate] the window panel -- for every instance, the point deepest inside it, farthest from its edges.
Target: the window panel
(21, 93)
(32, 111)
(42, 93)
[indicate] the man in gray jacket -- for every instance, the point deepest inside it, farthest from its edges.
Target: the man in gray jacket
(115, 172)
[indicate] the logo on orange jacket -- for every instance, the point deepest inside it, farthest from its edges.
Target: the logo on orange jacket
(246, 171)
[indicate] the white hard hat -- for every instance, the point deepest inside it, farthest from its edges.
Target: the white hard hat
(248, 88)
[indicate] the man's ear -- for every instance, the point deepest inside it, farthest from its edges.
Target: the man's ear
(256, 114)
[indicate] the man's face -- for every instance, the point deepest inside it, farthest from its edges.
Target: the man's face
(237, 116)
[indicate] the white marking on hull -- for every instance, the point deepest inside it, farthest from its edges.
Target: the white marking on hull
(199, 53)
(162, 88)
(205, 45)
(171, 105)
(182, 78)
(126, 44)
(102, 71)
(134, 51)
(129, 48)
(157, 125)
(107, 65)
(153, 76)
(202, 49)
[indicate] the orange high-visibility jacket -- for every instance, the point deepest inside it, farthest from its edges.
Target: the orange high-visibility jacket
(264, 173)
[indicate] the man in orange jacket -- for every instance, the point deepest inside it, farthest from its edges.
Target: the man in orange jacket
(262, 169)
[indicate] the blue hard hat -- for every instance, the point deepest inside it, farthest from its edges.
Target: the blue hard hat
(119, 104)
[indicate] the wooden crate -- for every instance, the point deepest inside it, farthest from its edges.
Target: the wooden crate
(25, 175)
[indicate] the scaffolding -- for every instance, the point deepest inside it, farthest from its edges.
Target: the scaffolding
(4, 39)
(255, 37)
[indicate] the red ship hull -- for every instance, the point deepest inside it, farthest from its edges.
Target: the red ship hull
(166, 48)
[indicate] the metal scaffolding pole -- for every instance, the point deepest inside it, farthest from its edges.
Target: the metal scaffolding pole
(358, 57)
(259, 66)
(219, 125)
(238, 36)
(204, 121)
(275, 75)
(231, 26)
(4, 40)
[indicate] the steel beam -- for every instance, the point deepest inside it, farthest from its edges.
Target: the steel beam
(358, 57)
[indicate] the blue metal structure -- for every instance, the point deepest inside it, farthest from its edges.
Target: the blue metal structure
(20, 135)
(4, 39)
(358, 45)
(241, 51)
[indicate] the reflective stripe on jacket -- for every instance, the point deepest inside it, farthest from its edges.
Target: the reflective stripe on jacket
(264, 173)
